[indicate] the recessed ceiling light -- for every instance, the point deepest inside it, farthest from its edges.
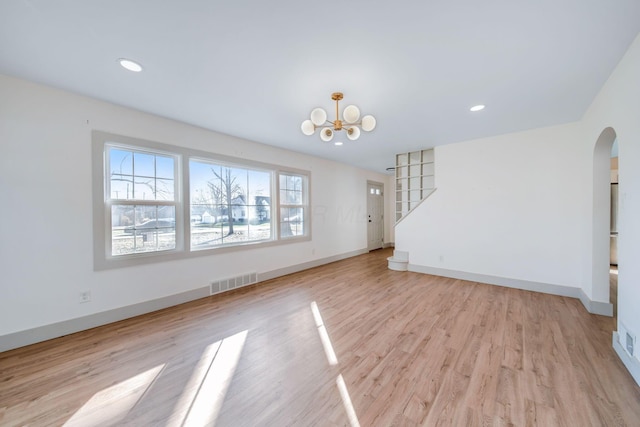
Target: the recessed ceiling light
(337, 143)
(130, 65)
(477, 108)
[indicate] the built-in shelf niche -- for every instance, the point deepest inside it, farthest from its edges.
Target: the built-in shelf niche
(415, 179)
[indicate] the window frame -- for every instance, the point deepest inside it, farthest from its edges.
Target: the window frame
(304, 204)
(102, 221)
(109, 202)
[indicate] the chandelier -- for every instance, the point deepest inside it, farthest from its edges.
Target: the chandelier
(350, 122)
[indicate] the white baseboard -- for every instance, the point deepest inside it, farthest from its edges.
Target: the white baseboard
(594, 307)
(307, 265)
(389, 245)
(55, 330)
(631, 363)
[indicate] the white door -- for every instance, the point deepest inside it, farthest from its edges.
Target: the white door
(375, 215)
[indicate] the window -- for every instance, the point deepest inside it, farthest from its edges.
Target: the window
(229, 204)
(156, 202)
(141, 200)
(293, 205)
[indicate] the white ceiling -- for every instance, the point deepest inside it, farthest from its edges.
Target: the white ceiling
(255, 69)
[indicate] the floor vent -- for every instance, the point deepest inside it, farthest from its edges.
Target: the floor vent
(223, 285)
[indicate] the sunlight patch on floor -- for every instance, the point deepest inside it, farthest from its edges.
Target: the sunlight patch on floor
(333, 360)
(205, 392)
(324, 336)
(183, 404)
(111, 405)
(346, 401)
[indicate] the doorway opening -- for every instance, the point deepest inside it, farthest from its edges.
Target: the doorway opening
(613, 240)
(604, 256)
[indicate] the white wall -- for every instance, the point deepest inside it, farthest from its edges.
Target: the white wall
(617, 106)
(506, 206)
(46, 215)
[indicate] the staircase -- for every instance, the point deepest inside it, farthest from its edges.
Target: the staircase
(399, 261)
(415, 180)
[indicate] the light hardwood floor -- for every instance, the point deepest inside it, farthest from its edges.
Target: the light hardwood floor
(349, 343)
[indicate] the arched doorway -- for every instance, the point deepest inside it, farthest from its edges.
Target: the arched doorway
(613, 271)
(601, 231)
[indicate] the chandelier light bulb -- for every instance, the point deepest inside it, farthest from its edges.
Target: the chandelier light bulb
(351, 114)
(318, 116)
(353, 133)
(368, 123)
(307, 127)
(326, 135)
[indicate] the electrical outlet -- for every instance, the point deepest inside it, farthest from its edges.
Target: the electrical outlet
(630, 341)
(85, 296)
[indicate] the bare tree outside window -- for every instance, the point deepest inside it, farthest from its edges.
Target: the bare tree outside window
(225, 190)
(229, 204)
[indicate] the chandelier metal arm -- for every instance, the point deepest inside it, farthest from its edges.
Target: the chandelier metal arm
(332, 125)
